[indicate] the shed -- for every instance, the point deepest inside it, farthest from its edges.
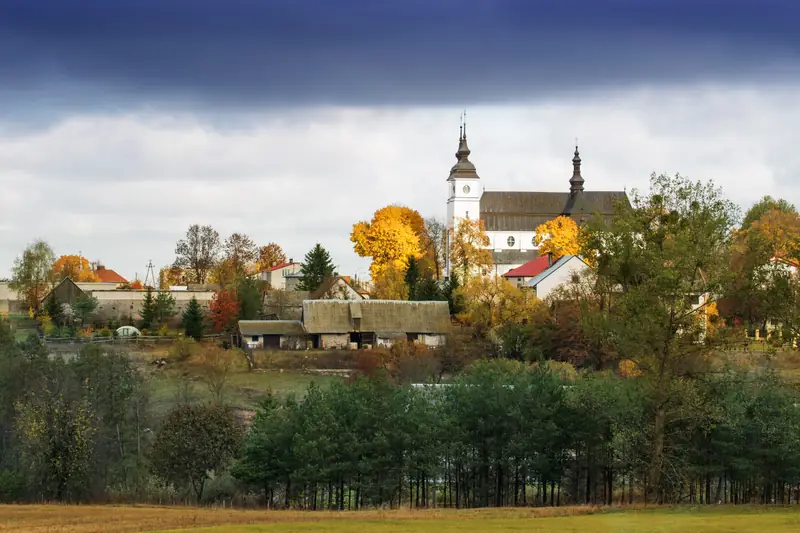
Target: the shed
(367, 323)
(285, 334)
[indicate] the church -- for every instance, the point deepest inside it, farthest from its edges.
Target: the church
(511, 217)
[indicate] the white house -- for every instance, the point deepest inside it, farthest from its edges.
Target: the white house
(277, 275)
(560, 272)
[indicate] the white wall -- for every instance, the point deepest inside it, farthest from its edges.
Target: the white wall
(560, 276)
(277, 278)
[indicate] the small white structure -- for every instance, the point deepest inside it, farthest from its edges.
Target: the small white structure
(283, 334)
(556, 275)
(128, 331)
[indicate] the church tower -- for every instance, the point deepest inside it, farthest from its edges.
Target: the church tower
(463, 184)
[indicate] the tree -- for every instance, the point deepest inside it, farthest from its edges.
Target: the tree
(193, 320)
(54, 310)
(215, 366)
(668, 257)
(198, 252)
(763, 206)
(195, 441)
(317, 267)
(390, 283)
(434, 245)
(469, 253)
(75, 267)
(493, 300)
(223, 274)
(270, 256)
(137, 285)
(84, 306)
(560, 236)
(251, 298)
(31, 275)
(223, 311)
(170, 276)
(240, 251)
(390, 238)
(148, 311)
(412, 277)
(165, 307)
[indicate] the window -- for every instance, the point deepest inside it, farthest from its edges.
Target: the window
(510, 241)
(467, 214)
(533, 241)
(254, 338)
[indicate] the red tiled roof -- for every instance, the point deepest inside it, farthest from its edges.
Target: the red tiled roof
(531, 268)
(278, 267)
(106, 275)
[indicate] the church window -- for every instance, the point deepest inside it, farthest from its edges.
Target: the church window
(511, 241)
(533, 241)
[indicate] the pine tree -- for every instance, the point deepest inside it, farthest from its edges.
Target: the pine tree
(54, 310)
(149, 310)
(317, 267)
(412, 277)
(193, 320)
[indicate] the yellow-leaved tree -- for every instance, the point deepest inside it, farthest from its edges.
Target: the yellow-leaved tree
(560, 236)
(469, 252)
(390, 238)
(75, 267)
(490, 301)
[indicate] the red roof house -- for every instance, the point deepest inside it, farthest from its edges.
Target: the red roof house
(106, 275)
(529, 270)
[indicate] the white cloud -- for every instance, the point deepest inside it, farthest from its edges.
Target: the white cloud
(123, 188)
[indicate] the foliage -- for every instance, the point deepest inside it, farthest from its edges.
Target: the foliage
(251, 298)
(148, 311)
(270, 256)
(492, 301)
(223, 311)
(170, 276)
(183, 349)
(560, 236)
(193, 320)
(165, 307)
(84, 306)
(198, 252)
(240, 252)
(75, 267)
(412, 277)
(54, 310)
(194, 442)
(390, 283)
(317, 267)
(764, 206)
(136, 285)
(31, 275)
(390, 238)
(469, 253)
(433, 243)
(215, 366)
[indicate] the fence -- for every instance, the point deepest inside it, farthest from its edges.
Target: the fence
(121, 340)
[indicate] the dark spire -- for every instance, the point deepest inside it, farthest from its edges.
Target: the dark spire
(576, 181)
(463, 167)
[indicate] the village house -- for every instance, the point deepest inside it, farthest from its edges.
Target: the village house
(283, 334)
(370, 323)
(282, 277)
(336, 288)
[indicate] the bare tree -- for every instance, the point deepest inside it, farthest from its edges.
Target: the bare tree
(240, 251)
(198, 252)
(216, 366)
(435, 244)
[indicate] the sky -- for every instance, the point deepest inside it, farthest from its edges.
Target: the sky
(122, 123)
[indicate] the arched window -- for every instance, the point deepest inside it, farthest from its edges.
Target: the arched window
(533, 241)
(510, 241)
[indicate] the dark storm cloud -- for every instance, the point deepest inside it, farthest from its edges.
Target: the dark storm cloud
(240, 53)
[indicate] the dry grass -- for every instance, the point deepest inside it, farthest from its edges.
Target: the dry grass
(113, 519)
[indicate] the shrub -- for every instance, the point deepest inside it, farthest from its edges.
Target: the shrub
(163, 331)
(11, 486)
(104, 332)
(183, 349)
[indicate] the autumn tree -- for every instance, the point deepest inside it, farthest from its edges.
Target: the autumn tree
(198, 252)
(390, 283)
(493, 300)
(170, 276)
(223, 274)
(215, 365)
(240, 251)
(560, 236)
(317, 267)
(136, 285)
(469, 249)
(270, 256)
(32, 273)
(223, 311)
(434, 246)
(762, 207)
(390, 238)
(75, 267)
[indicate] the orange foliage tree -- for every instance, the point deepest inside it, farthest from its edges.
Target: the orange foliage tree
(270, 256)
(223, 311)
(560, 236)
(75, 267)
(136, 285)
(170, 276)
(390, 238)
(469, 252)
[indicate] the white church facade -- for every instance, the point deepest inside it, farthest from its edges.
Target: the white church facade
(511, 217)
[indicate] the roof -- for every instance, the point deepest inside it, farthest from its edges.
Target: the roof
(107, 275)
(328, 285)
(546, 273)
(271, 327)
(278, 267)
(525, 211)
(337, 316)
(529, 269)
(70, 286)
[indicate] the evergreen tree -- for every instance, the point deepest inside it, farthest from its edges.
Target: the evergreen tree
(412, 277)
(249, 292)
(164, 307)
(149, 310)
(54, 310)
(317, 267)
(193, 320)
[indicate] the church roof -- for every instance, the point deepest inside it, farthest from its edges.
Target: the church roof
(464, 168)
(525, 211)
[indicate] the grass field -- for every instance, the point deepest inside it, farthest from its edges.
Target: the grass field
(110, 519)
